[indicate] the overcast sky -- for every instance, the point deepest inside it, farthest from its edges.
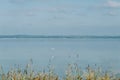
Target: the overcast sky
(60, 17)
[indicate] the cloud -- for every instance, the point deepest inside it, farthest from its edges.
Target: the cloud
(112, 4)
(17, 1)
(41, 10)
(27, 1)
(112, 13)
(111, 7)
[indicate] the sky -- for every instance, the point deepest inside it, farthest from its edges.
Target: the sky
(60, 17)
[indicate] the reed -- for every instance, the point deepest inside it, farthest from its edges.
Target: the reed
(73, 72)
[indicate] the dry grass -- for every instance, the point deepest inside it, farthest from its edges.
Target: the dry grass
(73, 72)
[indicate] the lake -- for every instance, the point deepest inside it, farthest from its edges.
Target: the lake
(60, 52)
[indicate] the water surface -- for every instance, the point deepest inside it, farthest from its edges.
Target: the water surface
(59, 52)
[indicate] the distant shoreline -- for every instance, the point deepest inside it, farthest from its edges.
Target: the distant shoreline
(59, 36)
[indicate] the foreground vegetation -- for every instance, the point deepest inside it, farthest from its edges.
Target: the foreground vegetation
(73, 72)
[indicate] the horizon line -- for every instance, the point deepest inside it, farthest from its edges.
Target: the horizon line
(59, 36)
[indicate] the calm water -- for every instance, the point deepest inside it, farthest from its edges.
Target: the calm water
(60, 52)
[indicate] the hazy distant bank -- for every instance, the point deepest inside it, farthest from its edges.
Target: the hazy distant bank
(60, 36)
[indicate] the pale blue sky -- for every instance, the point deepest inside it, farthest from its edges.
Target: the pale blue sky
(60, 17)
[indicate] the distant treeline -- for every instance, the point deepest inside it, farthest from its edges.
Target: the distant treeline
(56, 36)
